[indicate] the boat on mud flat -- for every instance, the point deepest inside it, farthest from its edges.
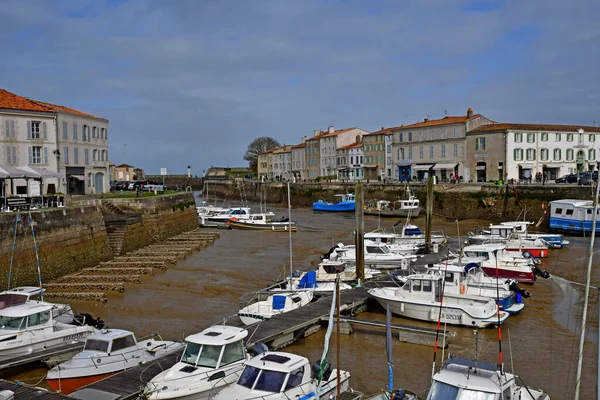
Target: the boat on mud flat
(377, 255)
(106, 353)
(420, 298)
(344, 203)
(263, 222)
(275, 304)
(399, 209)
(276, 375)
(212, 360)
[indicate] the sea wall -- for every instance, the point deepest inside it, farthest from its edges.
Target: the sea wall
(72, 238)
(462, 201)
(67, 239)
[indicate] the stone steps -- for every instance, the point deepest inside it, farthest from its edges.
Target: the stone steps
(113, 275)
(96, 286)
(87, 296)
(125, 264)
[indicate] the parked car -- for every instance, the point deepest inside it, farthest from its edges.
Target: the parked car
(140, 185)
(121, 185)
(586, 178)
(150, 187)
(569, 178)
(113, 185)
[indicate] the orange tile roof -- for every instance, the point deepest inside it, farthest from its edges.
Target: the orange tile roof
(448, 120)
(58, 108)
(12, 101)
(298, 146)
(534, 127)
(337, 132)
(352, 145)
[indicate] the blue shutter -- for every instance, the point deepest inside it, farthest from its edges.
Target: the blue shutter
(13, 130)
(45, 155)
(45, 129)
(29, 150)
(29, 130)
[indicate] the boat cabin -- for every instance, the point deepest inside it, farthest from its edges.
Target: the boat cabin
(425, 287)
(110, 341)
(482, 252)
(19, 295)
(238, 212)
(462, 379)
(275, 372)
(214, 347)
(376, 248)
(572, 215)
(340, 198)
(411, 230)
(26, 316)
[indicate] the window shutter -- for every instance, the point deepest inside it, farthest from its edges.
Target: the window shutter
(45, 129)
(14, 154)
(65, 134)
(7, 128)
(12, 129)
(29, 150)
(477, 144)
(74, 130)
(45, 155)
(29, 131)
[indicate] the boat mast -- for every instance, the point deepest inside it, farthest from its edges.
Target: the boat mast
(587, 293)
(290, 231)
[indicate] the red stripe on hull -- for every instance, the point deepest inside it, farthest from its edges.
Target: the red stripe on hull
(69, 385)
(539, 253)
(524, 277)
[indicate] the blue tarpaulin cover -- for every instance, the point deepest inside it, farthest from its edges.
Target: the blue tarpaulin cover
(308, 281)
(278, 302)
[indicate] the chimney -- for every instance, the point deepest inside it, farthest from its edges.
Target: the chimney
(358, 139)
(426, 119)
(382, 128)
(317, 132)
(330, 129)
(470, 113)
(304, 138)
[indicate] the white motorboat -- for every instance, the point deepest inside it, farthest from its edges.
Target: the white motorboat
(399, 208)
(275, 304)
(212, 360)
(263, 222)
(396, 248)
(462, 379)
(377, 255)
(471, 280)
(510, 264)
(308, 281)
(21, 295)
(283, 376)
(29, 328)
(419, 298)
(106, 352)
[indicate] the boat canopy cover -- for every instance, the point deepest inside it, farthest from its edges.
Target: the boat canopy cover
(308, 281)
(278, 302)
(412, 231)
(470, 266)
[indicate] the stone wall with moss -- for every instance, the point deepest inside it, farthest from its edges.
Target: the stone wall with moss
(68, 239)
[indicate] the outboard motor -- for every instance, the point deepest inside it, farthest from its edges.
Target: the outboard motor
(529, 256)
(86, 319)
(399, 394)
(259, 348)
(316, 369)
(540, 272)
(514, 286)
(330, 252)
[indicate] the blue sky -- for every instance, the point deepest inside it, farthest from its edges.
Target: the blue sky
(188, 82)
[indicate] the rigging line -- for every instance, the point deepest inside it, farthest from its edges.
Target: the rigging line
(12, 254)
(498, 312)
(437, 333)
(37, 257)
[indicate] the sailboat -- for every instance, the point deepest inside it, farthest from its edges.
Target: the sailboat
(281, 302)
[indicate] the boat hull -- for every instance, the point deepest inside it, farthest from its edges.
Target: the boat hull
(67, 386)
(275, 227)
(331, 207)
(535, 251)
(22, 347)
(516, 274)
(393, 213)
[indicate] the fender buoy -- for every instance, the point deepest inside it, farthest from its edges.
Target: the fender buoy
(463, 288)
(545, 208)
(233, 219)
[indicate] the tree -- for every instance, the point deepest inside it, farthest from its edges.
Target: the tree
(257, 146)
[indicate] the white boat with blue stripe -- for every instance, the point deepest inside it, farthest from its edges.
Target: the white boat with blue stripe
(572, 216)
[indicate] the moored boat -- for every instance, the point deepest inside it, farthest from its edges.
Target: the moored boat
(376, 255)
(420, 298)
(106, 353)
(275, 304)
(344, 203)
(398, 209)
(263, 222)
(212, 360)
(283, 376)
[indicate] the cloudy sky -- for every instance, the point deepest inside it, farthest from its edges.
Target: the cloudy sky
(194, 81)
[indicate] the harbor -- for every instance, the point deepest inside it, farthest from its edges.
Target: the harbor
(207, 287)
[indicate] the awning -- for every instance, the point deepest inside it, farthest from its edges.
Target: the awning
(77, 178)
(444, 166)
(17, 172)
(551, 165)
(42, 173)
(526, 165)
(426, 167)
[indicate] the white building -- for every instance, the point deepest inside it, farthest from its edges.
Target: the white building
(356, 161)
(282, 163)
(299, 171)
(330, 142)
(521, 151)
(28, 138)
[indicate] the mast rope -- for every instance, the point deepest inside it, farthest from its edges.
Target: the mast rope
(12, 254)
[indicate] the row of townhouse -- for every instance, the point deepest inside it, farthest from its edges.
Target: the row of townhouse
(470, 147)
(56, 138)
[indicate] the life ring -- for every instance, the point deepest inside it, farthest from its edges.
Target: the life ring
(545, 207)
(463, 288)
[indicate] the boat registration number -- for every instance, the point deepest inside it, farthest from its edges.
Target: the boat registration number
(450, 315)
(74, 336)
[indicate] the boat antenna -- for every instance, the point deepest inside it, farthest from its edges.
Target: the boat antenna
(37, 257)
(587, 293)
(290, 231)
(437, 332)
(12, 254)
(498, 310)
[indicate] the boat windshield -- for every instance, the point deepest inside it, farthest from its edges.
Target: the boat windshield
(477, 254)
(201, 355)
(248, 377)
(444, 391)
(262, 379)
(96, 345)
(12, 323)
(12, 299)
(375, 250)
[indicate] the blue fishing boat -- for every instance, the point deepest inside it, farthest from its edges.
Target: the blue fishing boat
(344, 203)
(572, 216)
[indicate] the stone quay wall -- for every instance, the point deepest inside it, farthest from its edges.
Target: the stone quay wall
(461, 201)
(72, 238)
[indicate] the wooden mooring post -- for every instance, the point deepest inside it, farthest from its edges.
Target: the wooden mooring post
(359, 240)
